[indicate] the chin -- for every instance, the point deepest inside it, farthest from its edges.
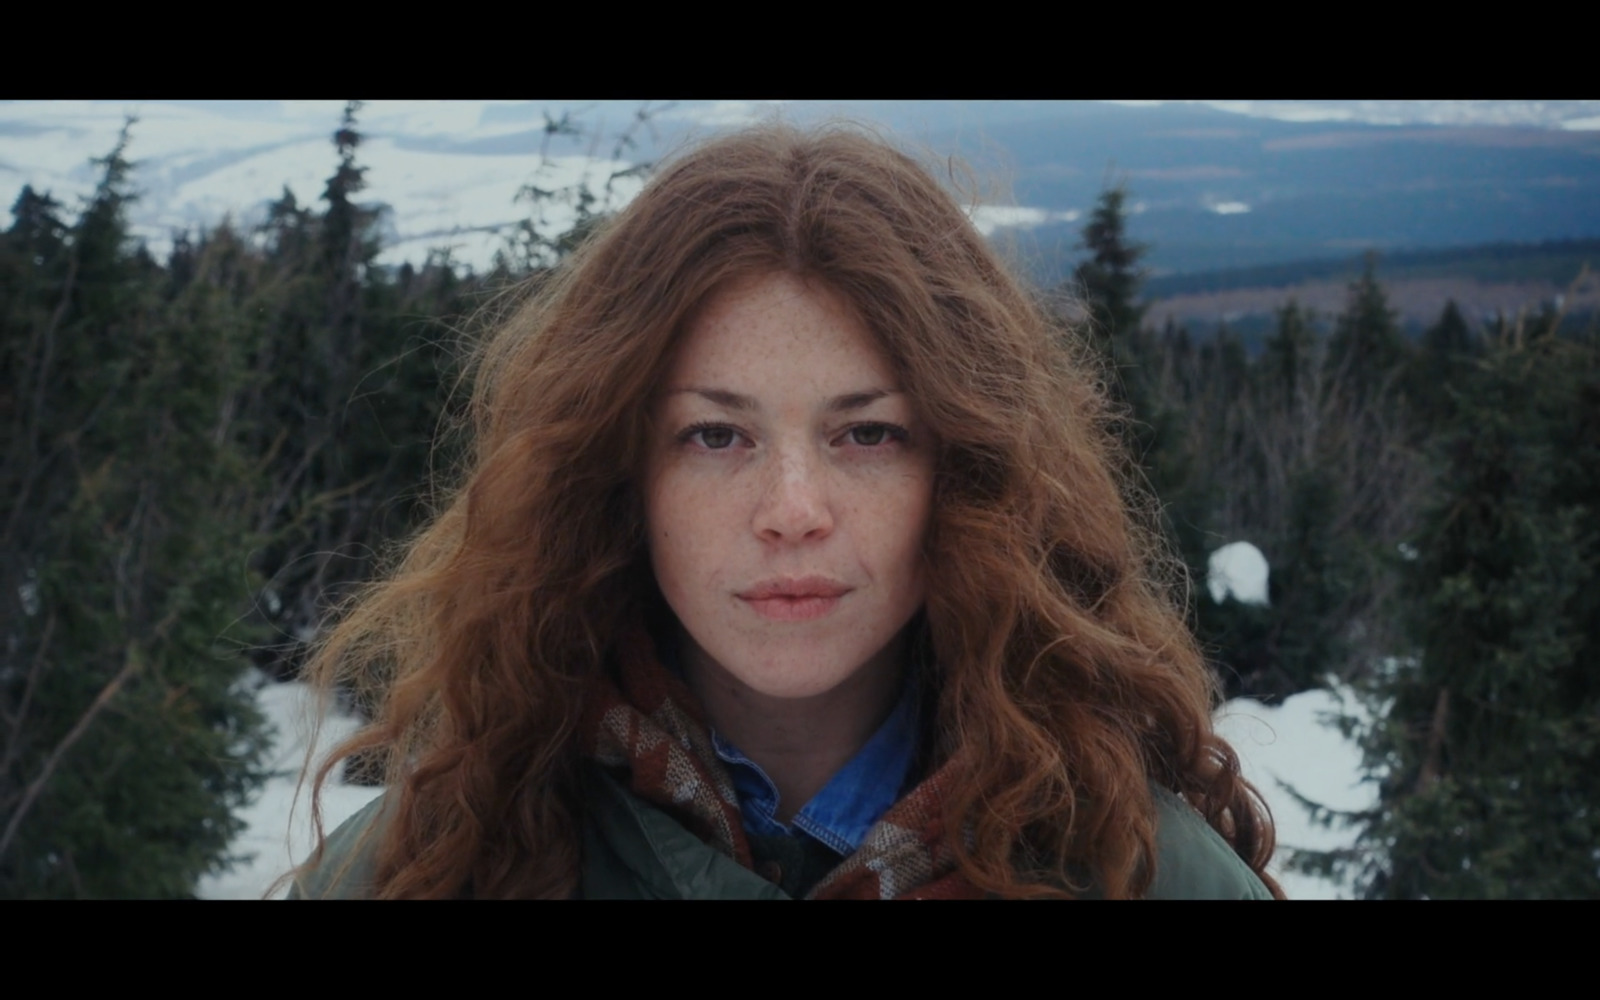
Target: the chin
(795, 673)
(785, 691)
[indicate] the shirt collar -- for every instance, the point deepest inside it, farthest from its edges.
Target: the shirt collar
(850, 803)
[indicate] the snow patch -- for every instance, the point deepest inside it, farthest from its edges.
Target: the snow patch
(1287, 111)
(278, 833)
(727, 114)
(988, 218)
(1238, 569)
(1298, 744)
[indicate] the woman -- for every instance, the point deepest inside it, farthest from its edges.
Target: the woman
(791, 561)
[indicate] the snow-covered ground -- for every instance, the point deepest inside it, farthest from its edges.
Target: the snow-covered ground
(1296, 744)
(278, 834)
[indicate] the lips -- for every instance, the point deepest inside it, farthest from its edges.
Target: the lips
(797, 599)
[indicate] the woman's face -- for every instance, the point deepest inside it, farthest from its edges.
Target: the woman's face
(788, 492)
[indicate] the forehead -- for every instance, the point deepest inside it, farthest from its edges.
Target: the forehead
(778, 328)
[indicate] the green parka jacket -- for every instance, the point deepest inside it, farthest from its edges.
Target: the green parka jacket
(633, 850)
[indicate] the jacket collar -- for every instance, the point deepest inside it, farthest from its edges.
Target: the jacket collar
(635, 849)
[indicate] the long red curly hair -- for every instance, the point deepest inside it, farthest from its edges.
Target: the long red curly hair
(1067, 680)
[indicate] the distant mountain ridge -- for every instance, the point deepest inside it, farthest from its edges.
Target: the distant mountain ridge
(1486, 281)
(1557, 261)
(1210, 188)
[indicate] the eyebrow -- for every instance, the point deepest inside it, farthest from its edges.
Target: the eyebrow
(747, 404)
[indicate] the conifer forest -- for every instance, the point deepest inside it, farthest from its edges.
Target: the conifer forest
(204, 452)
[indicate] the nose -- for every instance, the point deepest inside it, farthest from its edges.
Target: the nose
(794, 503)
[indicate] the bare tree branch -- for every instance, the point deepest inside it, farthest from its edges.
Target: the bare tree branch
(16, 721)
(132, 661)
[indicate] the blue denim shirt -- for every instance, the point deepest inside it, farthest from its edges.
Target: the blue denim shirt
(856, 796)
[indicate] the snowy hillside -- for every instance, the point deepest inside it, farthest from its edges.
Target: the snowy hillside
(197, 163)
(450, 170)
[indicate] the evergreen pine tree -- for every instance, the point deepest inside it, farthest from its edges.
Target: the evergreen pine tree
(1286, 487)
(1367, 348)
(1287, 356)
(1109, 281)
(128, 740)
(355, 366)
(348, 242)
(1489, 758)
(1110, 278)
(1440, 368)
(1190, 431)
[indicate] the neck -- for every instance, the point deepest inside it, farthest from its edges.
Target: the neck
(800, 743)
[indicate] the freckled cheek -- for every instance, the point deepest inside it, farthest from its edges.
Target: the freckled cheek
(895, 526)
(687, 530)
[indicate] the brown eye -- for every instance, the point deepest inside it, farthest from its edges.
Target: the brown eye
(716, 438)
(869, 435)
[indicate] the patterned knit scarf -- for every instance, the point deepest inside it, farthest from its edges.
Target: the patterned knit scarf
(652, 727)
